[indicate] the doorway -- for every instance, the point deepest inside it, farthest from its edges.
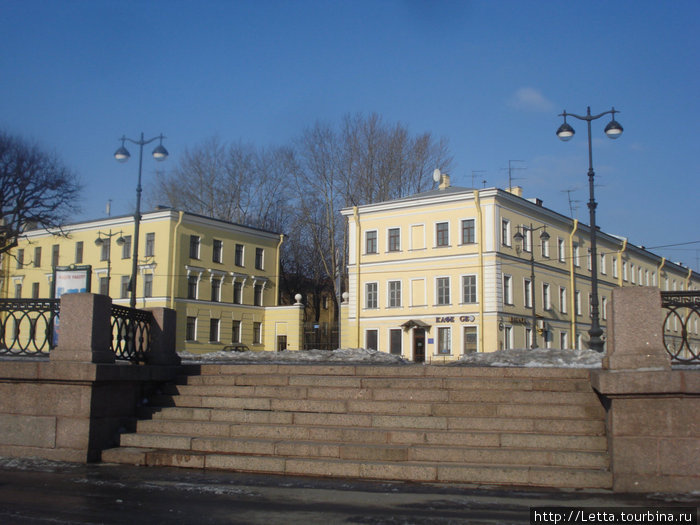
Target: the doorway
(419, 345)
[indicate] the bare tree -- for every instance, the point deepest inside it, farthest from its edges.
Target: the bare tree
(36, 190)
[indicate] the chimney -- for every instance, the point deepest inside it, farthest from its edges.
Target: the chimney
(444, 181)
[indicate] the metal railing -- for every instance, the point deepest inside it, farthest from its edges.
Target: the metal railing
(27, 326)
(30, 327)
(681, 326)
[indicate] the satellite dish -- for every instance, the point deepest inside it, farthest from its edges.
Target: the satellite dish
(437, 175)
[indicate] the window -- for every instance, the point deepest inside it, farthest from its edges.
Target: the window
(468, 289)
(55, 250)
(394, 239)
(394, 294)
(444, 340)
(259, 253)
(528, 338)
(604, 307)
(468, 231)
(576, 254)
(18, 290)
(216, 290)
(507, 289)
(442, 285)
(545, 248)
(546, 299)
(192, 282)
(640, 277)
(561, 250)
(214, 330)
(239, 255)
(614, 267)
(632, 273)
(105, 246)
(507, 337)
(471, 343)
(371, 339)
(371, 295)
(37, 257)
(194, 246)
(590, 305)
(20, 258)
(527, 240)
(236, 332)
(564, 340)
(505, 232)
(603, 269)
(150, 244)
(148, 285)
(371, 242)
(218, 250)
(125, 286)
(258, 295)
(624, 270)
(191, 329)
(35, 290)
(104, 286)
(442, 234)
(395, 342)
(527, 292)
(577, 298)
(238, 293)
(257, 333)
(126, 247)
(79, 252)
(562, 299)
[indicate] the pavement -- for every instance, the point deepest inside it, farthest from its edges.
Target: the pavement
(35, 491)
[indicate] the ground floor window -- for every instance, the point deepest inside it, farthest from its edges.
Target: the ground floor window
(236, 332)
(395, 342)
(371, 339)
(191, 329)
(257, 333)
(214, 330)
(444, 340)
(507, 337)
(564, 340)
(470, 341)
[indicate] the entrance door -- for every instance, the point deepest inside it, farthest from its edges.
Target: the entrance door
(419, 345)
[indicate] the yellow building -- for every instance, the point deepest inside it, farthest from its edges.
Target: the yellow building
(221, 278)
(443, 273)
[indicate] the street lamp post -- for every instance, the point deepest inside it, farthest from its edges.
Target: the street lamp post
(103, 238)
(521, 238)
(122, 155)
(565, 132)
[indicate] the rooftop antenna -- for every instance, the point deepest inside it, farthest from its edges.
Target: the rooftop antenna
(109, 208)
(571, 201)
(510, 172)
(473, 173)
(483, 182)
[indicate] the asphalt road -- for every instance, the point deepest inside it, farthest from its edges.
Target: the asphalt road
(41, 492)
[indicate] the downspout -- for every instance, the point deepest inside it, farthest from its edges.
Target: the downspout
(663, 263)
(687, 280)
(358, 249)
(480, 243)
(277, 276)
(619, 262)
(173, 267)
(572, 282)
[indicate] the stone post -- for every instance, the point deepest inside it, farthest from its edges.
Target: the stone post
(163, 338)
(84, 331)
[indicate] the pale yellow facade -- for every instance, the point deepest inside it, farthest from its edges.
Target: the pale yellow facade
(221, 278)
(440, 274)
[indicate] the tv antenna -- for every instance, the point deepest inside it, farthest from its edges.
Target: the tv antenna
(474, 172)
(510, 169)
(108, 209)
(571, 201)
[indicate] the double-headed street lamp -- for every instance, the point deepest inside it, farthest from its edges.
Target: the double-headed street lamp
(122, 155)
(544, 236)
(565, 132)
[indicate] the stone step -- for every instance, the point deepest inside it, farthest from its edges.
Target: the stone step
(534, 476)
(554, 426)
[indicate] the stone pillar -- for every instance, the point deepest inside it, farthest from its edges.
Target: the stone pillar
(84, 331)
(635, 330)
(163, 338)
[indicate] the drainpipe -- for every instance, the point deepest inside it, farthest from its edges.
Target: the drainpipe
(687, 279)
(572, 282)
(658, 273)
(358, 250)
(173, 267)
(277, 276)
(619, 262)
(480, 244)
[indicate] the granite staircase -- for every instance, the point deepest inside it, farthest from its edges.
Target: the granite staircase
(538, 427)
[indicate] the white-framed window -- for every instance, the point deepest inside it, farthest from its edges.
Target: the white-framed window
(470, 342)
(237, 292)
(394, 294)
(239, 255)
(147, 285)
(191, 329)
(562, 299)
(640, 277)
(394, 239)
(604, 307)
(217, 255)
(235, 331)
(258, 294)
(259, 259)
(546, 298)
(527, 292)
(192, 285)
(527, 239)
(528, 337)
(442, 289)
(561, 250)
(195, 242)
(469, 289)
(505, 232)
(507, 289)
(371, 242)
(150, 244)
(579, 341)
(589, 260)
(444, 340)
(577, 301)
(257, 333)
(214, 325)
(468, 236)
(371, 295)
(124, 286)
(632, 273)
(603, 269)
(646, 277)
(371, 339)
(545, 248)
(442, 234)
(575, 255)
(590, 305)
(614, 266)
(216, 290)
(126, 247)
(105, 249)
(564, 340)
(653, 278)
(395, 344)
(507, 337)
(624, 270)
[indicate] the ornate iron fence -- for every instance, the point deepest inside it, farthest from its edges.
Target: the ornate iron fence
(682, 325)
(131, 333)
(27, 326)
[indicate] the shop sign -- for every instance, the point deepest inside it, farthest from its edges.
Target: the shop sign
(453, 318)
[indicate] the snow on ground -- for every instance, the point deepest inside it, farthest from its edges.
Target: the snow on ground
(540, 357)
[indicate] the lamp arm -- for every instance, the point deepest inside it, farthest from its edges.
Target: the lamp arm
(141, 142)
(589, 117)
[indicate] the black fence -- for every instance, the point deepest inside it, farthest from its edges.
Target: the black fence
(30, 327)
(321, 336)
(682, 325)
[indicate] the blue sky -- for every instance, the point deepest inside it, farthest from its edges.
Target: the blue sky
(490, 76)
